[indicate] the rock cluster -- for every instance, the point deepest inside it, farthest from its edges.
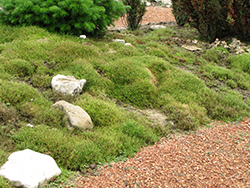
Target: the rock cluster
(235, 47)
(122, 41)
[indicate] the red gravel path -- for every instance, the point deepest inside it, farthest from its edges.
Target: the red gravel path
(211, 157)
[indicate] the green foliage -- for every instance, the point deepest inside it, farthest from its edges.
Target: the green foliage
(7, 113)
(183, 86)
(42, 114)
(4, 183)
(126, 71)
(215, 55)
(72, 17)
(204, 15)
(157, 53)
(223, 75)
(186, 117)
(68, 151)
(7, 34)
(42, 81)
(186, 56)
(65, 179)
(240, 63)
(19, 67)
(56, 52)
(3, 157)
(150, 74)
(231, 84)
(214, 18)
(77, 151)
(141, 93)
(17, 93)
(135, 13)
(39, 111)
(134, 129)
(103, 113)
(223, 106)
(239, 17)
(181, 16)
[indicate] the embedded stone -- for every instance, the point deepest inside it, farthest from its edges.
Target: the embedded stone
(67, 84)
(156, 27)
(191, 48)
(75, 116)
(119, 40)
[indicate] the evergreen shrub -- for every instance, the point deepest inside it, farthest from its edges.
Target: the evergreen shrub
(67, 16)
(240, 18)
(180, 15)
(135, 14)
(214, 18)
(209, 17)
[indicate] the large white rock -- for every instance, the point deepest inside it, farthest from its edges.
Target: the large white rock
(29, 169)
(75, 116)
(67, 84)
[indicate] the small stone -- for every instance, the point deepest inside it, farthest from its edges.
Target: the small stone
(195, 41)
(128, 44)
(30, 125)
(83, 36)
(119, 40)
(191, 48)
(156, 27)
(92, 166)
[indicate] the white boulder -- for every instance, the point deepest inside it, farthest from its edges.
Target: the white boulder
(67, 84)
(75, 116)
(29, 169)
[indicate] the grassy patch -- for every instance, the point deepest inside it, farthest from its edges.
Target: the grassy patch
(240, 63)
(190, 89)
(5, 183)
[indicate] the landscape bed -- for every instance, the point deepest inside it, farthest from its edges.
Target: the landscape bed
(123, 84)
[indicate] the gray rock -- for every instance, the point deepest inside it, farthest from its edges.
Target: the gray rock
(67, 84)
(75, 116)
(29, 169)
(191, 48)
